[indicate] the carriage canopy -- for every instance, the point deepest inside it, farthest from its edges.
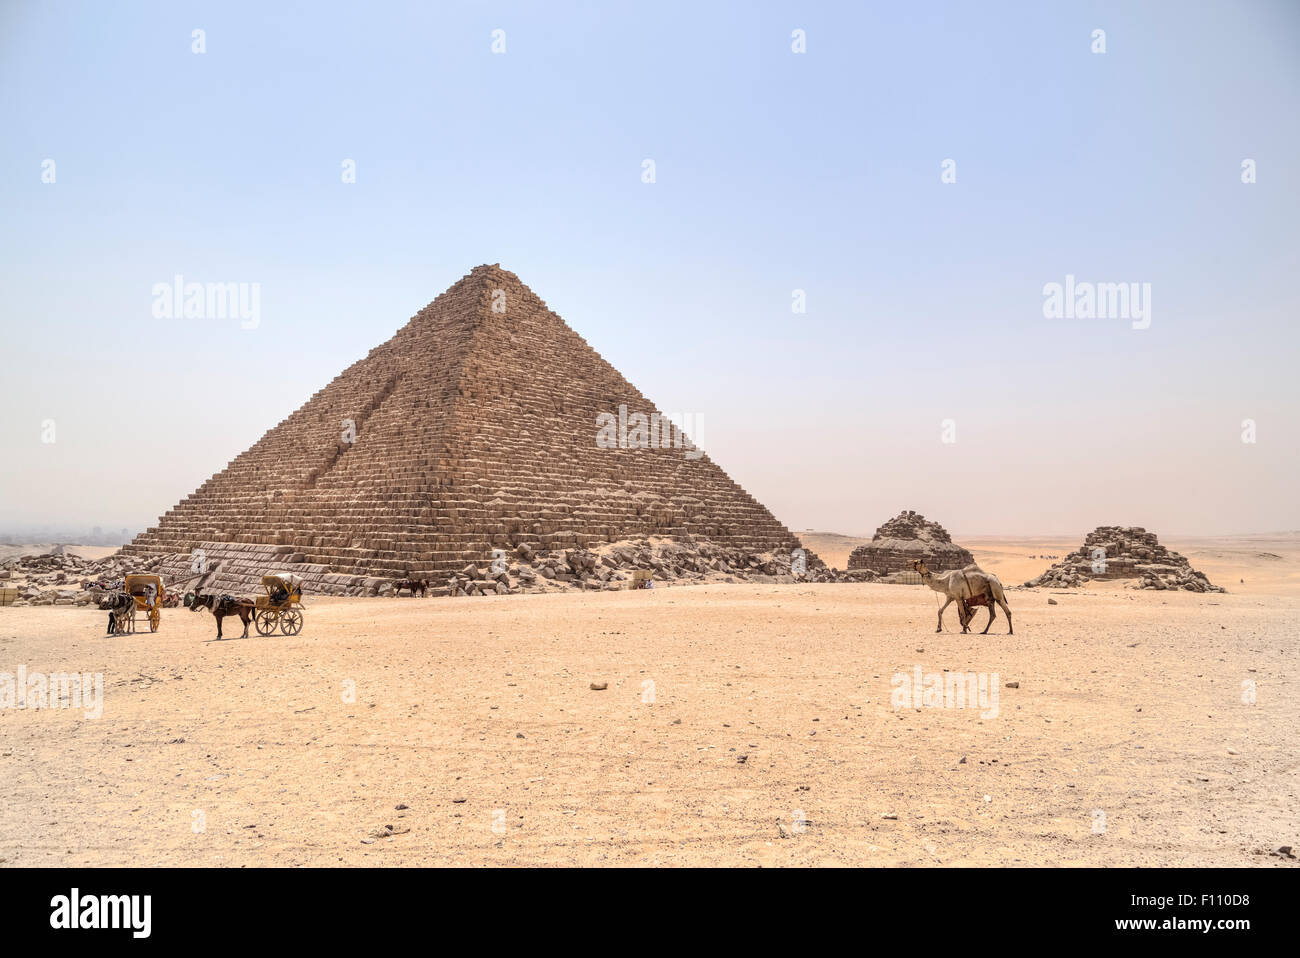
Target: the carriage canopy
(287, 581)
(137, 584)
(280, 606)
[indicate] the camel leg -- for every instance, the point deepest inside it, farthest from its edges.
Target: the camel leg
(941, 608)
(992, 612)
(1007, 610)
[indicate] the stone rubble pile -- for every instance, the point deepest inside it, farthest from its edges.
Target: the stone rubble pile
(62, 578)
(237, 569)
(628, 564)
(904, 538)
(1119, 552)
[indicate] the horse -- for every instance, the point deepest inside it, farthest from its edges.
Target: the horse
(222, 606)
(415, 585)
(119, 606)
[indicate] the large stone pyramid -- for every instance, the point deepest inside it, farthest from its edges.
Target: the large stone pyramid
(473, 428)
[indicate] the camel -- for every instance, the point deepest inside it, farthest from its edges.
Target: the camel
(971, 586)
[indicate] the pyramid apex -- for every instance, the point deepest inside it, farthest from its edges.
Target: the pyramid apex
(493, 273)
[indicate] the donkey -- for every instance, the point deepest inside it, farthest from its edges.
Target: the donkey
(414, 585)
(222, 606)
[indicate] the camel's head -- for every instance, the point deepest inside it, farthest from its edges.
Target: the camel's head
(920, 566)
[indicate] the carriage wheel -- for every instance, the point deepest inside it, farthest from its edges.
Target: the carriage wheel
(265, 621)
(291, 622)
(155, 620)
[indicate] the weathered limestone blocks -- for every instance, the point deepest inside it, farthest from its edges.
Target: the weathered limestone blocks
(904, 538)
(473, 428)
(1119, 552)
(632, 563)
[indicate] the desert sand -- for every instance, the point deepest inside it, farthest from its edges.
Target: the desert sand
(742, 724)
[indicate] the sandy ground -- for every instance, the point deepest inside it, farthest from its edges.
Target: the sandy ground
(1127, 741)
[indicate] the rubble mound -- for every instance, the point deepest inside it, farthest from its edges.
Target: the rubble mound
(626, 564)
(908, 536)
(1125, 552)
(63, 578)
(654, 562)
(237, 568)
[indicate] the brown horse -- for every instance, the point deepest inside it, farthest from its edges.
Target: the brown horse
(222, 606)
(415, 585)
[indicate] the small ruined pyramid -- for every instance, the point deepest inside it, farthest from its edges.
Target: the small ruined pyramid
(908, 536)
(1125, 552)
(474, 428)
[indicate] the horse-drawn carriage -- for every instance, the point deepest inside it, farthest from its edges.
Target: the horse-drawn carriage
(147, 595)
(280, 606)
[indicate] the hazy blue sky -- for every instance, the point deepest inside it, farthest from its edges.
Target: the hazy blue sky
(775, 171)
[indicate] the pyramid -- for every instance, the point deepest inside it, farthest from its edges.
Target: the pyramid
(474, 428)
(1125, 552)
(908, 536)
